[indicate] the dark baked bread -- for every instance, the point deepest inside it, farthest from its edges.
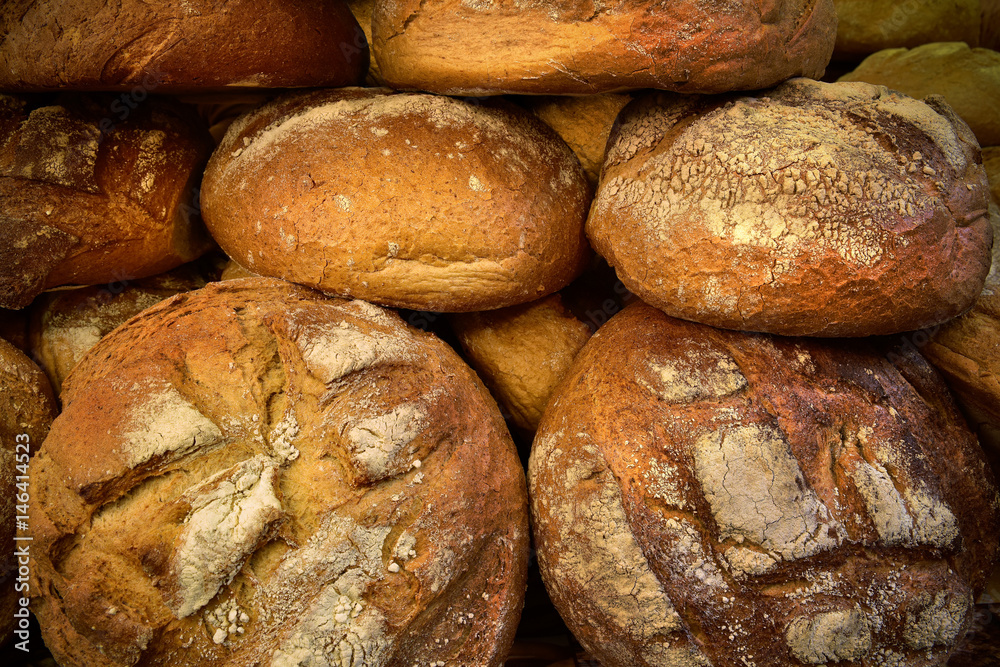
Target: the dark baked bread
(703, 497)
(811, 209)
(412, 201)
(174, 47)
(27, 408)
(281, 478)
(88, 198)
(463, 47)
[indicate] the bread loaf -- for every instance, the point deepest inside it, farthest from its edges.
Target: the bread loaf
(812, 209)
(87, 197)
(173, 47)
(27, 408)
(867, 26)
(412, 201)
(703, 497)
(65, 324)
(282, 479)
(562, 47)
(968, 79)
(522, 352)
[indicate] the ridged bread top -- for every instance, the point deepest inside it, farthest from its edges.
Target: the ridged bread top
(408, 200)
(813, 209)
(281, 478)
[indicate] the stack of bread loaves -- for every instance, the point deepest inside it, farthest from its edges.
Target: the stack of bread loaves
(269, 465)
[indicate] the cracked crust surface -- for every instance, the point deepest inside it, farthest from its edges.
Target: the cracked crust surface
(408, 200)
(88, 200)
(484, 47)
(194, 45)
(283, 478)
(816, 502)
(812, 209)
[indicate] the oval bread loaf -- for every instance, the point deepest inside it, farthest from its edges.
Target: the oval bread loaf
(283, 479)
(811, 209)
(408, 200)
(704, 498)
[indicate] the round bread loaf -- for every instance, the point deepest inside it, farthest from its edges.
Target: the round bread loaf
(65, 324)
(968, 79)
(178, 46)
(87, 197)
(812, 209)
(522, 352)
(458, 47)
(867, 26)
(703, 497)
(282, 479)
(413, 201)
(27, 408)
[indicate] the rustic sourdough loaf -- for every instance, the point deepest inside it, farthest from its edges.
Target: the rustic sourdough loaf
(413, 201)
(811, 209)
(282, 478)
(703, 497)
(86, 198)
(186, 46)
(461, 47)
(27, 408)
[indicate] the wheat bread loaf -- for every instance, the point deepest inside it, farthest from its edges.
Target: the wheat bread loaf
(281, 478)
(87, 197)
(458, 47)
(703, 497)
(867, 26)
(195, 45)
(812, 209)
(407, 200)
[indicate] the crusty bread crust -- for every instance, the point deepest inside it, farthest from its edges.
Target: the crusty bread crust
(407, 200)
(708, 497)
(484, 47)
(172, 47)
(812, 209)
(280, 475)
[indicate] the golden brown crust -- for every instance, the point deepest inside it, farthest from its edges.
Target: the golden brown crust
(178, 46)
(65, 324)
(867, 26)
(707, 497)
(968, 79)
(413, 201)
(522, 352)
(814, 209)
(27, 408)
(461, 47)
(286, 475)
(584, 123)
(89, 198)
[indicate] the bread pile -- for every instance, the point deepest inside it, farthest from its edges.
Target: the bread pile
(272, 464)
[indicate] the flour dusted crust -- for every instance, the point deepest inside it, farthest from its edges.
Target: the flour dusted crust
(482, 47)
(408, 200)
(27, 408)
(706, 497)
(281, 479)
(65, 324)
(143, 47)
(87, 197)
(813, 209)
(967, 78)
(522, 352)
